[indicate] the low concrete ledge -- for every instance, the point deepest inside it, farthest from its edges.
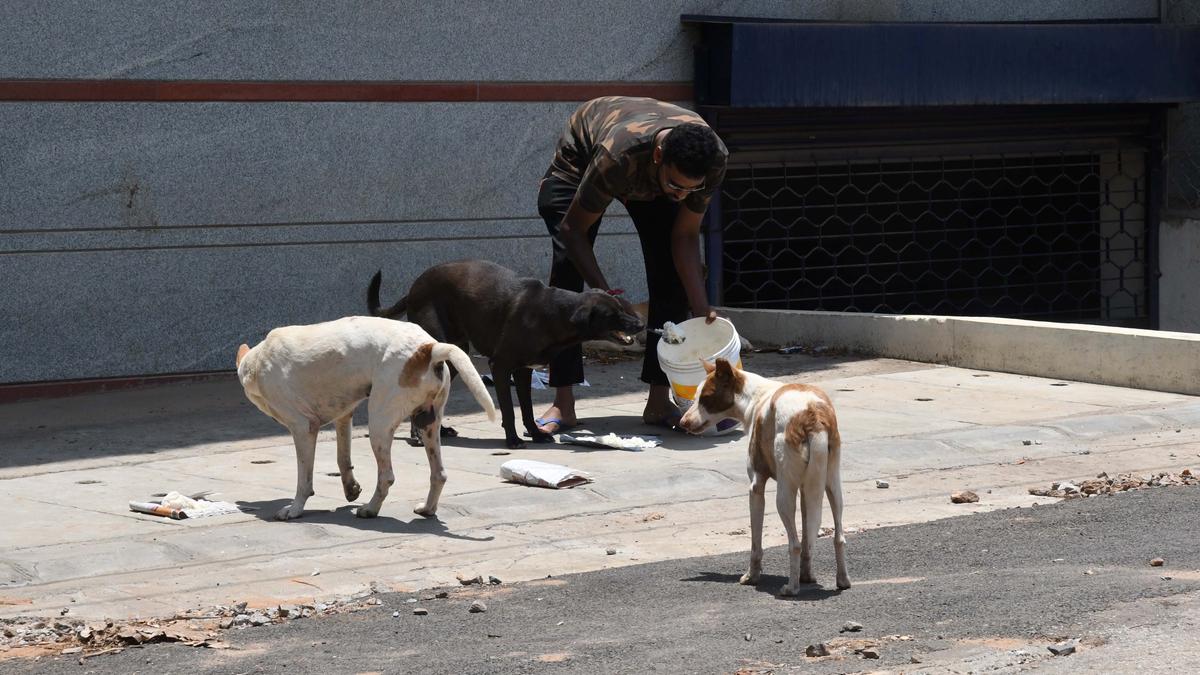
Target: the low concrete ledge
(1125, 357)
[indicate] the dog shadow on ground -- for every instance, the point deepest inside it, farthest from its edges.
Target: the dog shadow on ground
(344, 516)
(770, 583)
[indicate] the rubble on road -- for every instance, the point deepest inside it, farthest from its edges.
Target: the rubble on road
(964, 497)
(37, 636)
(1103, 484)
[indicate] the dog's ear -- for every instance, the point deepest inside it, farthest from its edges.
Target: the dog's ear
(582, 315)
(708, 367)
(723, 368)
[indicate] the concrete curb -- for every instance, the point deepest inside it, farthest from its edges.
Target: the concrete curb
(1125, 357)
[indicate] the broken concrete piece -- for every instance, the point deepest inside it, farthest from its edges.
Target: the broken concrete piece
(1062, 649)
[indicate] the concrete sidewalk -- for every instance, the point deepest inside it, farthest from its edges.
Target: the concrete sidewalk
(68, 468)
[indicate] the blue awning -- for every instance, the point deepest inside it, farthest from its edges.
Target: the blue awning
(747, 63)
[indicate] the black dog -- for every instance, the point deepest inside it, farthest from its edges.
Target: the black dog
(517, 323)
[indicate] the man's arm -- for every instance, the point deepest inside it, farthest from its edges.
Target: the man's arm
(685, 250)
(573, 231)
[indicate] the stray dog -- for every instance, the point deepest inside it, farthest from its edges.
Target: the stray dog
(516, 322)
(793, 439)
(307, 376)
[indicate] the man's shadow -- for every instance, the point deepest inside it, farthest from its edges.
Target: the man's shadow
(770, 583)
(344, 516)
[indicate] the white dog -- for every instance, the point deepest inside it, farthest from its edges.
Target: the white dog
(307, 376)
(793, 439)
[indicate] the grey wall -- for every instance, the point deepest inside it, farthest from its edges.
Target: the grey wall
(1179, 286)
(140, 238)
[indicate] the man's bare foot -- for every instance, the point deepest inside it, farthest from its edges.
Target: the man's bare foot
(662, 415)
(555, 420)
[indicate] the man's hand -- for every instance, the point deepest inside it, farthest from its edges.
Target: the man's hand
(710, 316)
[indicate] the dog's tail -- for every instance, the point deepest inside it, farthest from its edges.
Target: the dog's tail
(392, 312)
(444, 351)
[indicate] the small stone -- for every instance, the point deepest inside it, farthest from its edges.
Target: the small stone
(72, 650)
(1157, 562)
(1026, 442)
(239, 608)
(420, 611)
(851, 627)
(477, 607)
(259, 619)
(1058, 560)
(85, 633)
(1165, 578)
(964, 497)
(374, 601)
(610, 551)
(226, 624)
(410, 600)
(882, 484)
(495, 581)
(1062, 649)
(1089, 572)
(913, 659)
(818, 649)
(396, 614)
(870, 653)
(64, 611)
(442, 594)
(467, 581)
(315, 573)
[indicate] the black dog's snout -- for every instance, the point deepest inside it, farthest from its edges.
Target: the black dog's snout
(632, 323)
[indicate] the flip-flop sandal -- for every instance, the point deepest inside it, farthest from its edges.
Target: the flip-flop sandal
(543, 421)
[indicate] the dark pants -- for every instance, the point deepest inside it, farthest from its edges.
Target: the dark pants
(654, 221)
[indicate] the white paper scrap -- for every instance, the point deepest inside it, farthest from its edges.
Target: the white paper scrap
(542, 474)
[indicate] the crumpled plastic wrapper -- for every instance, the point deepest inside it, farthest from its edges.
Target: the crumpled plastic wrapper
(542, 474)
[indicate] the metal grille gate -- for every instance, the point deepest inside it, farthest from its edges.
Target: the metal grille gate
(1005, 230)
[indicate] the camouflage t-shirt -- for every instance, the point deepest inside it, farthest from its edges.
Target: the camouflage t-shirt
(607, 151)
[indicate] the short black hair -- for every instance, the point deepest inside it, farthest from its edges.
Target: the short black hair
(692, 148)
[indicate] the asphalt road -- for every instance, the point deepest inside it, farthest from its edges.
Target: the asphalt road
(986, 592)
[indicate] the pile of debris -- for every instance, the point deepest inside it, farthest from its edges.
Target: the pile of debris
(33, 636)
(1103, 484)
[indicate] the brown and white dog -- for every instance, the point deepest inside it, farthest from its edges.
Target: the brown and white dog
(307, 376)
(793, 439)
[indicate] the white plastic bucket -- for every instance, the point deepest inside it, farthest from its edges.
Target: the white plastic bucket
(681, 362)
